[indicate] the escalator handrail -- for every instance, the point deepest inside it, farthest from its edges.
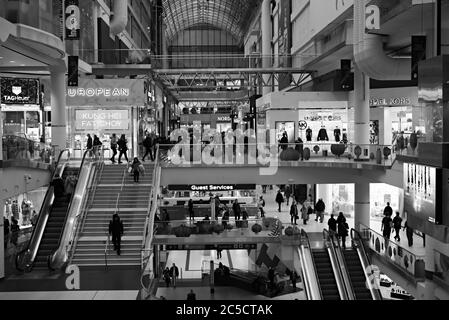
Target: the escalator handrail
(305, 236)
(358, 244)
(344, 271)
(52, 255)
(40, 224)
(85, 205)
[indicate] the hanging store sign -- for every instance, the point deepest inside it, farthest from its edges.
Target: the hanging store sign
(107, 92)
(19, 91)
(395, 101)
(211, 187)
(72, 20)
(88, 120)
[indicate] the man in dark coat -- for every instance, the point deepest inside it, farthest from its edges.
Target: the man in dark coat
(332, 223)
(388, 211)
(279, 199)
(191, 212)
(148, 145)
(237, 210)
(116, 230)
(174, 274)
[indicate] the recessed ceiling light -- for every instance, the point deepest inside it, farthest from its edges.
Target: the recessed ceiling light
(22, 65)
(1, 57)
(12, 61)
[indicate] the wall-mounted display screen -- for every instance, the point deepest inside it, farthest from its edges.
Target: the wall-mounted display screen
(421, 189)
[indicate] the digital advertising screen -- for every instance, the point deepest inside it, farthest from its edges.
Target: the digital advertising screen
(421, 192)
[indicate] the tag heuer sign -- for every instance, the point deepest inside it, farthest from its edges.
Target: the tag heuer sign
(19, 91)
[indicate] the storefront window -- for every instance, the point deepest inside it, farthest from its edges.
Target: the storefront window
(343, 199)
(380, 194)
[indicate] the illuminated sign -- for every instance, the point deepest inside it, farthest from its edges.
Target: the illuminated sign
(397, 101)
(98, 92)
(211, 187)
(221, 246)
(101, 120)
(19, 91)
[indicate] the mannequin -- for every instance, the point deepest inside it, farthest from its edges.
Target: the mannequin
(322, 135)
(337, 134)
(345, 136)
(309, 134)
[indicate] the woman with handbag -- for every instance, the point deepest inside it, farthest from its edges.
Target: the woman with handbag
(136, 169)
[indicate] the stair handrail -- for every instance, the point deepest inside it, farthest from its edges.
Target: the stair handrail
(358, 244)
(41, 223)
(50, 258)
(87, 203)
(304, 239)
(149, 222)
(343, 269)
(106, 251)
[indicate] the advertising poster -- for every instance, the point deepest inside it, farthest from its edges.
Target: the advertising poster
(420, 191)
(285, 42)
(19, 91)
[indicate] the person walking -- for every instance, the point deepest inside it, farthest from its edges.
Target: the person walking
(147, 144)
(279, 200)
(294, 213)
(97, 146)
(304, 213)
(225, 218)
(116, 230)
(123, 148)
(166, 276)
(191, 296)
(14, 231)
(288, 193)
(261, 206)
(219, 256)
(387, 224)
(332, 223)
(191, 212)
(283, 143)
(388, 211)
(409, 233)
(237, 210)
(136, 169)
(174, 274)
(113, 147)
(89, 144)
(397, 225)
(319, 208)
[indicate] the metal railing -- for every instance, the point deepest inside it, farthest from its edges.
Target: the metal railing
(358, 245)
(24, 259)
(410, 263)
(85, 206)
(313, 289)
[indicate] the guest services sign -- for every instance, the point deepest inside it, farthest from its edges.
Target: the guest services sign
(107, 92)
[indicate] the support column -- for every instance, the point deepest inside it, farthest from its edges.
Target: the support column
(2, 240)
(164, 48)
(266, 40)
(58, 109)
(362, 205)
(361, 111)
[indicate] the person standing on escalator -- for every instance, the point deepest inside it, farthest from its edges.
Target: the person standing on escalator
(58, 185)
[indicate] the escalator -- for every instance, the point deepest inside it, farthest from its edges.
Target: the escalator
(356, 275)
(326, 276)
(55, 225)
(48, 233)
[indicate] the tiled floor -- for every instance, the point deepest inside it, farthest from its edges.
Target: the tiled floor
(70, 295)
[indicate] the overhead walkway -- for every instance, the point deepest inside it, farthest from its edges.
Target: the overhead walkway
(53, 228)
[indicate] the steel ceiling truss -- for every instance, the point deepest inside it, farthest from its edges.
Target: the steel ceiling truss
(216, 79)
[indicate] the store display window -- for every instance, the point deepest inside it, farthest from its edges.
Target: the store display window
(343, 199)
(380, 194)
(287, 128)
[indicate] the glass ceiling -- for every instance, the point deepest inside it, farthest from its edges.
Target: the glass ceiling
(229, 15)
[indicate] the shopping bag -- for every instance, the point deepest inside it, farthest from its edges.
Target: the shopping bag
(130, 169)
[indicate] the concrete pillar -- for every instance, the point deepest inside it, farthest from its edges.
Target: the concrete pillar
(361, 110)
(387, 138)
(361, 205)
(2, 240)
(58, 109)
(164, 48)
(266, 40)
